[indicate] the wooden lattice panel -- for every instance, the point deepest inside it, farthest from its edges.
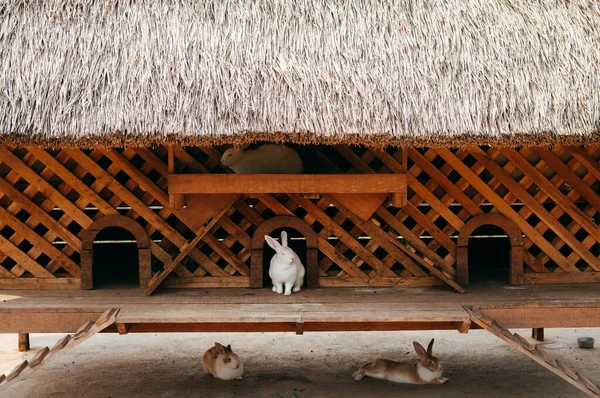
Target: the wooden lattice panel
(49, 198)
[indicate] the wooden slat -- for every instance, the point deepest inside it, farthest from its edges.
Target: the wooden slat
(39, 357)
(566, 370)
(105, 317)
(16, 371)
(83, 330)
(285, 183)
(530, 347)
(61, 343)
(591, 386)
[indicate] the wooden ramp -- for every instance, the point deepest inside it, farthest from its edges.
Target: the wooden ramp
(64, 345)
(535, 352)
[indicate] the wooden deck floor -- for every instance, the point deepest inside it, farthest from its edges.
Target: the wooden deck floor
(332, 309)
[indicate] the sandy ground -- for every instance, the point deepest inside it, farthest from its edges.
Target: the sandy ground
(290, 366)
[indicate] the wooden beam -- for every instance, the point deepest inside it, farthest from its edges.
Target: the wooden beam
(286, 183)
(175, 201)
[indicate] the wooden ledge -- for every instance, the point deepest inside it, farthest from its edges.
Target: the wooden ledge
(182, 185)
(186, 184)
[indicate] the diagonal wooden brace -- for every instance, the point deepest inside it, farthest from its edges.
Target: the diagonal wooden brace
(160, 276)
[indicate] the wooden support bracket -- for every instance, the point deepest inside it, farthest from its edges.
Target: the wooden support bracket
(299, 326)
(464, 327)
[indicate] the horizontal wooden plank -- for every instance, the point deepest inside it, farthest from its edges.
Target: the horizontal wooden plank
(380, 281)
(285, 183)
(532, 278)
(200, 282)
(40, 283)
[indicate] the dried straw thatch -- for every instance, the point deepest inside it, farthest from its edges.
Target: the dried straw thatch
(405, 72)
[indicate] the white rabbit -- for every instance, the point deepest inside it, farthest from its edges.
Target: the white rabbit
(223, 363)
(286, 269)
(267, 159)
(428, 371)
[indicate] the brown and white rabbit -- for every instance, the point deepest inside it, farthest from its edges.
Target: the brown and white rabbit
(222, 363)
(266, 159)
(428, 371)
(286, 269)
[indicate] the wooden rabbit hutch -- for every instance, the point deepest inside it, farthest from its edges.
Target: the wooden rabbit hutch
(401, 169)
(375, 217)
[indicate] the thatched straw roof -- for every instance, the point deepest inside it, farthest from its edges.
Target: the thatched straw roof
(419, 72)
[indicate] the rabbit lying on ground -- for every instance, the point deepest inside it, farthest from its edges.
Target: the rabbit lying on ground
(428, 371)
(285, 269)
(223, 363)
(267, 159)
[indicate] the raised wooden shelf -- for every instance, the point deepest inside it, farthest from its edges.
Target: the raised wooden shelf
(259, 184)
(186, 184)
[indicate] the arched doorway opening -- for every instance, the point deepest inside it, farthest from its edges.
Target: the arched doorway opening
(496, 259)
(301, 238)
(489, 256)
(115, 259)
(115, 251)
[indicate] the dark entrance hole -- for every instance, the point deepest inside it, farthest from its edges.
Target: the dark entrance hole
(115, 259)
(296, 242)
(489, 255)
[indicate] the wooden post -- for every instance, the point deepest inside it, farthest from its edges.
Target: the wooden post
(23, 342)
(175, 201)
(538, 334)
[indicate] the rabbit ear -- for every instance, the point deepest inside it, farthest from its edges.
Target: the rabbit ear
(220, 348)
(229, 348)
(284, 239)
(236, 147)
(430, 347)
(273, 243)
(419, 349)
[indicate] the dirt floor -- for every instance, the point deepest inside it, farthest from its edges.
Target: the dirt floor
(290, 366)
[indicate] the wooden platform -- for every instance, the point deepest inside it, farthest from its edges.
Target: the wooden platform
(339, 309)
